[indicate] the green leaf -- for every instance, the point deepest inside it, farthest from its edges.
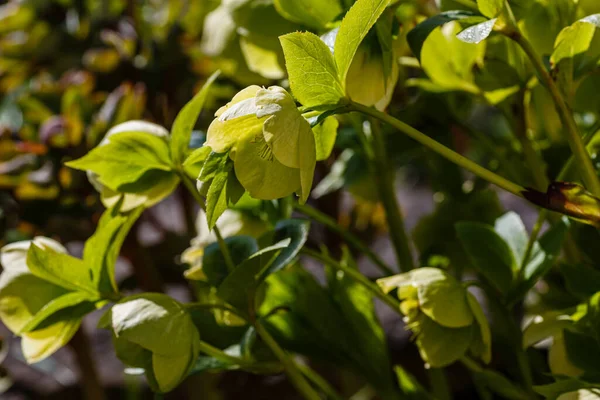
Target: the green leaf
(543, 257)
(543, 327)
(296, 230)
(356, 305)
(583, 350)
(417, 36)
(582, 280)
(55, 306)
(554, 390)
(490, 8)
(356, 24)
(181, 131)
(312, 71)
(510, 227)
(195, 161)
(313, 13)
(214, 162)
(489, 253)
(224, 191)
(125, 158)
(61, 269)
(213, 263)
(440, 346)
(410, 386)
(239, 286)
(325, 135)
(103, 247)
(483, 349)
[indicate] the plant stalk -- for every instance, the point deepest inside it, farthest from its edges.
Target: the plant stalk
(357, 276)
(385, 177)
(90, 382)
(222, 245)
(442, 150)
(588, 173)
(291, 369)
(327, 221)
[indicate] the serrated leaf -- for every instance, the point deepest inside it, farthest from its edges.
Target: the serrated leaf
(224, 190)
(489, 253)
(477, 33)
(181, 131)
(357, 22)
(213, 163)
(312, 71)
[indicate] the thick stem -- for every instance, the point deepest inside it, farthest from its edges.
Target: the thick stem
(385, 177)
(92, 388)
(344, 233)
(289, 365)
(588, 173)
(442, 150)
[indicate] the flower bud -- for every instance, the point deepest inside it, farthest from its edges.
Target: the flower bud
(447, 321)
(269, 141)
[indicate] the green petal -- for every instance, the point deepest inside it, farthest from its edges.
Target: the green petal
(440, 346)
(223, 135)
(260, 173)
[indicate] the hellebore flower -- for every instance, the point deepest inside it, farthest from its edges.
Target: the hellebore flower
(270, 143)
(154, 332)
(447, 321)
(23, 295)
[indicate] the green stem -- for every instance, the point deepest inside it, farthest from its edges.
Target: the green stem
(496, 382)
(189, 184)
(384, 175)
(330, 223)
(357, 276)
(442, 150)
(578, 148)
(215, 352)
(439, 384)
(216, 306)
(320, 382)
(289, 365)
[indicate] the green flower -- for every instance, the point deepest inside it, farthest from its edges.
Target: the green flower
(23, 295)
(447, 321)
(270, 143)
(154, 332)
